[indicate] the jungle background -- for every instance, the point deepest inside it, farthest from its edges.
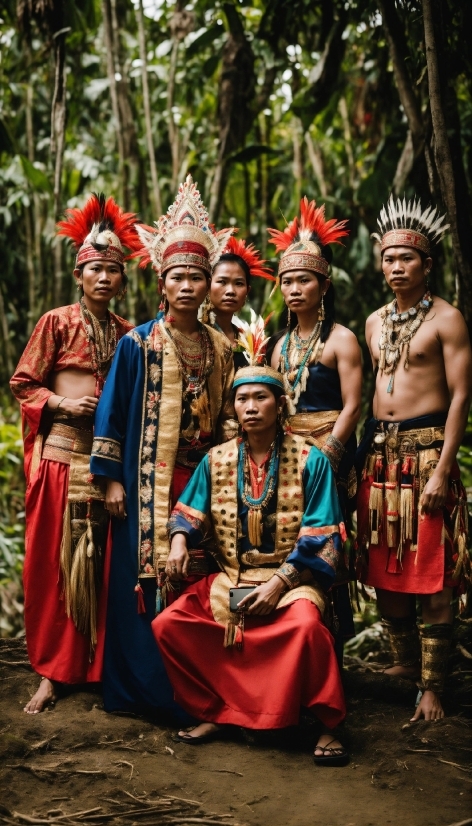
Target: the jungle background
(262, 102)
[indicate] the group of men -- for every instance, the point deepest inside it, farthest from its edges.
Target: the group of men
(210, 492)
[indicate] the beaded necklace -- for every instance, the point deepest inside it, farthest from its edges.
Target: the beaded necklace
(397, 331)
(195, 358)
(295, 357)
(255, 504)
(102, 341)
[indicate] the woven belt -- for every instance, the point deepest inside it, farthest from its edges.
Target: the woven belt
(407, 442)
(63, 440)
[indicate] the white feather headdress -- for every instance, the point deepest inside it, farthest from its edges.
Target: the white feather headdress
(404, 223)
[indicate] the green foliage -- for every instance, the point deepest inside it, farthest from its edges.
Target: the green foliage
(11, 522)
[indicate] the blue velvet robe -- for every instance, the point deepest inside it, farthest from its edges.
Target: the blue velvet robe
(137, 435)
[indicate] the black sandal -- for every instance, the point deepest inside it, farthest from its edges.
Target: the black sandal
(337, 756)
(195, 741)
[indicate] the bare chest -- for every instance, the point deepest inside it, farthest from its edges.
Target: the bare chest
(422, 349)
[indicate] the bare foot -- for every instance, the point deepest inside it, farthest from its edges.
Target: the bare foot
(204, 731)
(408, 672)
(429, 707)
(45, 695)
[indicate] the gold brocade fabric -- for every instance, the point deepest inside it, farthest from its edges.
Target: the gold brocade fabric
(218, 386)
(221, 585)
(314, 427)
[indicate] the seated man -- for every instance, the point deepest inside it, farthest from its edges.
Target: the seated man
(271, 502)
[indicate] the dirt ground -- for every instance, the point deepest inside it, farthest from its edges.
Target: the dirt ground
(77, 764)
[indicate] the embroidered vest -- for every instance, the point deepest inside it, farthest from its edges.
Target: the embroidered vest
(224, 505)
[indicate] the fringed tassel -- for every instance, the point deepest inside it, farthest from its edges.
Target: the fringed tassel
(463, 568)
(254, 525)
(392, 497)
(83, 578)
(234, 631)
(141, 606)
(375, 511)
(201, 409)
(406, 516)
(382, 360)
(66, 557)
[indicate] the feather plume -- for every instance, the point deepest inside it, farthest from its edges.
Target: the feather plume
(251, 256)
(98, 215)
(252, 338)
(403, 214)
(311, 226)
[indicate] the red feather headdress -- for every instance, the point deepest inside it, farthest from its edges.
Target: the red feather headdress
(302, 240)
(251, 256)
(100, 230)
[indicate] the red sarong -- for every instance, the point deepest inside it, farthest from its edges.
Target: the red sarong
(427, 570)
(55, 648)
(287, 661)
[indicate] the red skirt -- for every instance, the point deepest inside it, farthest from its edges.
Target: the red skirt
(55, 648)
(424, 571)
(287, 661)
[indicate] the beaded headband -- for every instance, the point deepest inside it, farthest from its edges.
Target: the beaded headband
(184, 236)
(404, 224)
(258, 375)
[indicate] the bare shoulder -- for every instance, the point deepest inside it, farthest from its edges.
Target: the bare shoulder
(374, 318)
(450, 322)
(343, 337)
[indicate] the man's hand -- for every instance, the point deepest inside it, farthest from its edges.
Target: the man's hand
(429, 707)
(178, 559)
(86, 406)
(115, 499)
(264, 598)
(435, 492)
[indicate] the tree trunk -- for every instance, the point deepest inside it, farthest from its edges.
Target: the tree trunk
(316, 160)
(415, 142)
(111, 72)
(235, 96)
(58, 128)
(460, 233)
(130, 140)
(156, 193)
(33, 222)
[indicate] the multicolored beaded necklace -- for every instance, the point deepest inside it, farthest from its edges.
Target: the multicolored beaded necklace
(102, 341)
(295, 358)
(195, 357)
(397, 331)
(256, 504)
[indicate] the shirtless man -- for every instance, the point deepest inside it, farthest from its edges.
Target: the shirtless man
(58, 382)
(412, 517)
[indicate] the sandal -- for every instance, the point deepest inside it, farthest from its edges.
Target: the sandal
(337, 756)
(195, 741)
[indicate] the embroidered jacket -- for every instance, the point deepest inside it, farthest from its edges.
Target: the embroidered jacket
(57, 342)
(138, 430)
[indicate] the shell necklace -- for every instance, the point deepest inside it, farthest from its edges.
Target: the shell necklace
(397, 331)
